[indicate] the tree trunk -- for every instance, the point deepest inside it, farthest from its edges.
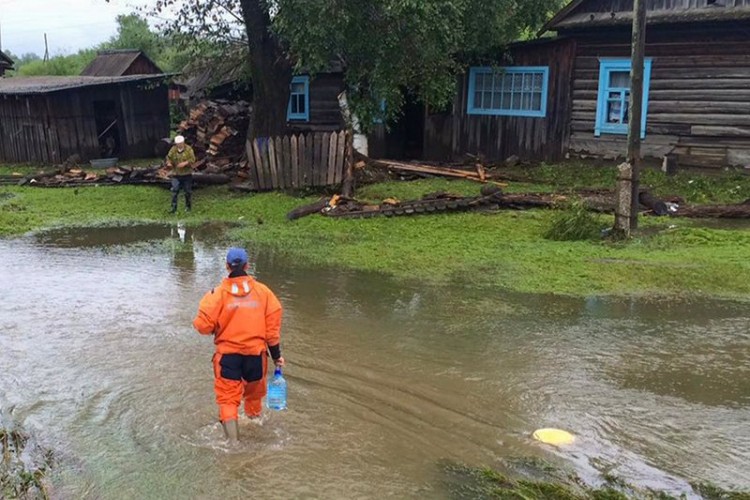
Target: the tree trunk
(636, 105)
(271, 72)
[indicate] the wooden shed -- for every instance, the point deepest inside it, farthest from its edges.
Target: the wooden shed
(6, 63)
(47, 119)
(697, 88)
(121, 62)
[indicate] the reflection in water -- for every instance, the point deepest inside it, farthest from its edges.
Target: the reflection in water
(183, 252)
(387, 379)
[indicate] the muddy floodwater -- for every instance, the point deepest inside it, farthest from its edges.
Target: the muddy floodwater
(388, 381)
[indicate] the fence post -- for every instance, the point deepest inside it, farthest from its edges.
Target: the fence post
(348, 187)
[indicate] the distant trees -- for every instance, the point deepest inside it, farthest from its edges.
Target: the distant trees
(133, 32)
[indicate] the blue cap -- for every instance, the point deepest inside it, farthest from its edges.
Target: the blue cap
(236, 256)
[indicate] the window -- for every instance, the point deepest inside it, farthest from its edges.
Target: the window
(614, 96)
(299, 99)
(512, 91)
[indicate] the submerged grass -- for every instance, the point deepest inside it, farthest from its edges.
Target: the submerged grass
(19, 477)
(542, 481)
(506, 249)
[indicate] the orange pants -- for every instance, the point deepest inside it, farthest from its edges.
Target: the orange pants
(238, 377)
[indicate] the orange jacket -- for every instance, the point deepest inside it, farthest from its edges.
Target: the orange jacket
(243, 314)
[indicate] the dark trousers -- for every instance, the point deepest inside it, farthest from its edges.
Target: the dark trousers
(184, 182)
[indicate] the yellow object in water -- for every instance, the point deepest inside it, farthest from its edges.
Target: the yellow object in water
(554, 437)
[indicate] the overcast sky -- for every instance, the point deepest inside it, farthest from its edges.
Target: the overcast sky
(70, 24)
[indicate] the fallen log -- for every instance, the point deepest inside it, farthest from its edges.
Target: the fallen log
(211, 179)
(739, 211)
(306, 210)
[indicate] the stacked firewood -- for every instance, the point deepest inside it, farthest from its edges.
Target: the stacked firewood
(217, 131)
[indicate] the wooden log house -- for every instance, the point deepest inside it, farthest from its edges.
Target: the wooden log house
(47, 119)
(696, 96)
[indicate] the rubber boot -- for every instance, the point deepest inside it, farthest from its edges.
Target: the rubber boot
(174, 204)
(231, 430)
(188, 201)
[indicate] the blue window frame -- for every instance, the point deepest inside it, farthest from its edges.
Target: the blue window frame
(614, 96)
(510, 91)
(299, 99)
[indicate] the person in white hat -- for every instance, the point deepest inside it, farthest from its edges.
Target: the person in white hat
(180, 161)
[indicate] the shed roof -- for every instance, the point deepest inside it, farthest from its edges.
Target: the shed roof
(115, 62)
(602, 13)
(44, 84)
(5, 60)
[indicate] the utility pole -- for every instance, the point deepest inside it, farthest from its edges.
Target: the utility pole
(636, 103)
(46, 49)
(628, 180)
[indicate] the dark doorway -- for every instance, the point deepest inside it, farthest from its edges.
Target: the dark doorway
(404, 138)
(107, 128)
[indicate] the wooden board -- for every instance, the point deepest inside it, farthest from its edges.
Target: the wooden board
(280, 164)
(263, 146)
(341, 155)
(325, 142)
(332, 148)
(272, 162)
(294, 152)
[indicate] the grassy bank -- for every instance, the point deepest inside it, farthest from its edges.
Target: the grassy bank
(506, 250)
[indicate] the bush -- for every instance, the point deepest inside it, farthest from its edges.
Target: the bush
(574, 223)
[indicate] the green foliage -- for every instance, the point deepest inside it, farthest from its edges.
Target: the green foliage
(389, 46)
(574, 223)
(59, 65)
(133, 32)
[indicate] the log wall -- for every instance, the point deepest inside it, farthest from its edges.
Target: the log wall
(325, 113)
(699, 96)
(498, 137)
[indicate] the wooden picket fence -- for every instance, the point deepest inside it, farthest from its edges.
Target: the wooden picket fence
(296, 161)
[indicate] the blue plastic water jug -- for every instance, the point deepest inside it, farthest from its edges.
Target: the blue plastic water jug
(276, 397)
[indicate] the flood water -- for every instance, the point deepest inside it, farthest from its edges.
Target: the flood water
(388, 381)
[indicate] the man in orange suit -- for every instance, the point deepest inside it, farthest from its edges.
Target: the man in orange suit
(244, 316)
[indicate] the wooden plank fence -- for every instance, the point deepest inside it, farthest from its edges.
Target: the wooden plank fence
(297, 161)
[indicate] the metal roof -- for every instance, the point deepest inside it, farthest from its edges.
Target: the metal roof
(115, 62)
(44, 84)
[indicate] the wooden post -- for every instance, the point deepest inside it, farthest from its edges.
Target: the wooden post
(624, 204)
(636, 104)
(348, 187)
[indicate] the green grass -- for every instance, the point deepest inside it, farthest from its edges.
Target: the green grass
(719, 187)
(503, 250)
